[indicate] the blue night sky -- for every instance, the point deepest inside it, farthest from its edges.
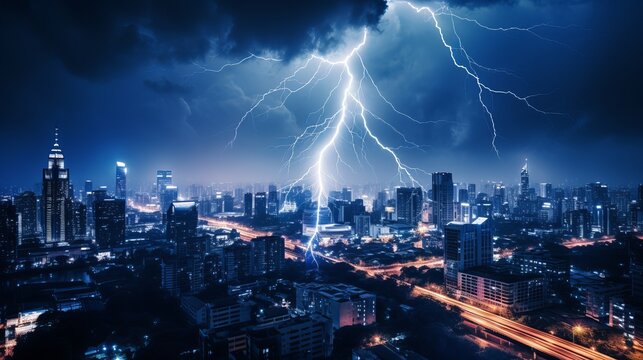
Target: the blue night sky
(124, 80)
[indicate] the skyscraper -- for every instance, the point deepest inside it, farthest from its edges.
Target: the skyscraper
(442, 198)
(109, 222)
(79, 220)
(26, 207)
(466, 246)
(168, 194)
(56, 202)
(247, 204)
(182, 220)
(89, 187)
(8, 234)
(273, 200)
(471, 190)
(120, 191)
(260, 205)
(524, 180)
(268, 255)
(163, 178)
(409, 205)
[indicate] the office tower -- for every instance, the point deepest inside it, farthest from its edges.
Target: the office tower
(228, 203)
(273, 200)
(247, 204)
(362, 225)
(27, 209)
(89, 187)
(260, 205)
(120, 190)
(596, 194)
(466, 246)
(553, 266)
(442, 198)
(169, 193)
(471, 190)
(238, 196)
(635, 252)
(640, 196)
(578, 223)
(463, 196)
(409, 205)
(524, 180)
(163, 178)
(609, 220)
(545, 190)
(109, 222)
(182, 220)
(79, 220)
(268, 255)
(347, 194)
(56, 202)
(8, 234)
(237, 261)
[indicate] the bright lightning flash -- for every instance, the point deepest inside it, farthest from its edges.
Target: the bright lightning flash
(353, 118)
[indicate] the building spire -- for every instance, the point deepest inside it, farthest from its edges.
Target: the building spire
(56, 137)
(524, 167)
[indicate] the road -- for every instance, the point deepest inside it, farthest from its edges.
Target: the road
(541, 341)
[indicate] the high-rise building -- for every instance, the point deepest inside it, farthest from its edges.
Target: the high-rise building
(524, 180)
(109, 222)
(471, 189)
(247, 204)
(8, 234)
(260, 205)
(163, 178)
(89, 187)
(466, 246)
(56, 202)
(362, 225)
(545, 190)
(169, 194)
(79, 220)
(120, 190)
(409, 205)
(228, 203)
(347, 194)
(579, 223)
(27, 209)
(268, 255)
(273, 200)
(442, 198)
(182, 220)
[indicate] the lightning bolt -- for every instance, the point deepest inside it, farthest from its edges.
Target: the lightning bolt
(354, 119)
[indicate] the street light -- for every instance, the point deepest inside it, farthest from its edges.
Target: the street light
(576, 329)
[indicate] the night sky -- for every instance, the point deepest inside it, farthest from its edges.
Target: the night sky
(124, 81)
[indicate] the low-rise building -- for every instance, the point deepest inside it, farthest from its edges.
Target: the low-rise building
(345, 305)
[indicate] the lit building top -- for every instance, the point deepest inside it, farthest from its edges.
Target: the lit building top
(56, 157)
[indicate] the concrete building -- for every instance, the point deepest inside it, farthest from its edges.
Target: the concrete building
(345, 305)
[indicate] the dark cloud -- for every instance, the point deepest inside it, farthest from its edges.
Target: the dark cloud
(94, 38)
(165, 86)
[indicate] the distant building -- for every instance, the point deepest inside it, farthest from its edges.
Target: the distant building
(345, 305)
(409, 205)
(79, 220)
(109, 222)
(466, 246)
(362, 225)
(490, 287)
(120, 191)
(247, 205)
(579, 223)
(56, 200)
(163, 179)
(524, 180)
(27, 209)
(442, 199)
(182, 220)
(273, 200)
(169, 194)
(260, 205)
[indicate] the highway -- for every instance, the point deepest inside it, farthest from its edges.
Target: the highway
(541, 341)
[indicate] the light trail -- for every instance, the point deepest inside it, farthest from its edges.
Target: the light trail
(349, 78)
